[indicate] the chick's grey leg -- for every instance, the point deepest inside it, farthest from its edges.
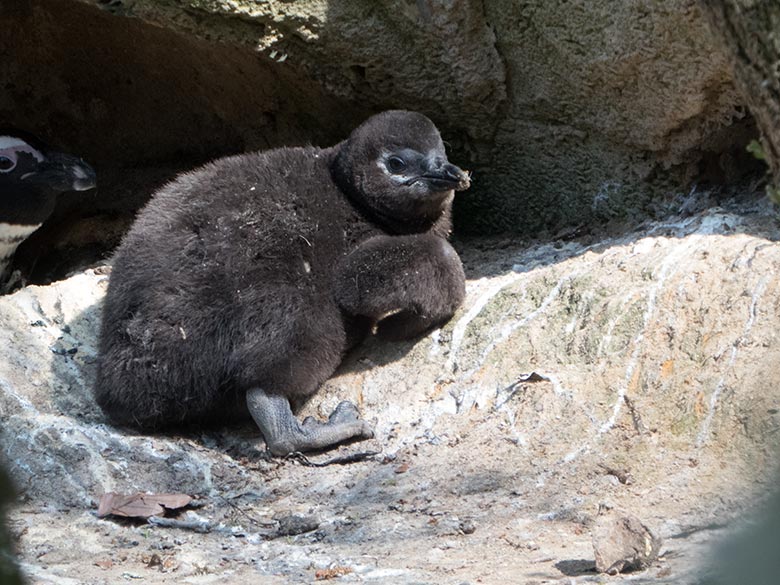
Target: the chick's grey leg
(407, 284)
(283, 433)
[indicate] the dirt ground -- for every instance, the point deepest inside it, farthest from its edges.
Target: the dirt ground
(462, 507)
(460, 504)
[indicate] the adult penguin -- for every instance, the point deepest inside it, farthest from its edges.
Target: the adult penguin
(31, 177)
(242, 284)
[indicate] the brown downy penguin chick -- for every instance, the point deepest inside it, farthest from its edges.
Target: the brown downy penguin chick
(242, 284)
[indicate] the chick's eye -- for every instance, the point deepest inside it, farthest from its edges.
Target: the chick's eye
(6, 164)
(396, 164)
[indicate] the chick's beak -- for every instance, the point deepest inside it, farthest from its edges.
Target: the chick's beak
(447, 176)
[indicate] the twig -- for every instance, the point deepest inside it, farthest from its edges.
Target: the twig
(623, 476)
(201, 526)
(246, 515)
(639, 426)
(341, 460)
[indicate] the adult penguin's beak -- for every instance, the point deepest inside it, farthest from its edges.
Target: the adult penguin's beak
(63, 172)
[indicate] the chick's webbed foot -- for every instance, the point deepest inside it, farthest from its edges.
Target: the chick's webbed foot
(284, 434)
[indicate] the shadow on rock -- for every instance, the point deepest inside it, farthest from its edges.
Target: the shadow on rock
(576, 567)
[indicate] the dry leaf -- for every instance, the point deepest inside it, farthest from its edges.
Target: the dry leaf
(140, 505)
(325, 574)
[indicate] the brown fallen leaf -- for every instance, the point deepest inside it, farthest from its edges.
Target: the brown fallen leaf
(140, 505)
(325, 574)
(104, 563)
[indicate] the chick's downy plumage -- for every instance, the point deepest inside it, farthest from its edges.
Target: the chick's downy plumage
(242, 284)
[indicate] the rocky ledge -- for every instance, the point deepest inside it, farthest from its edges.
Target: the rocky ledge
(635, 372)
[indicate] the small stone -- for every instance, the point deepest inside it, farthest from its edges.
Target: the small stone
(623, 543)
(295, 524)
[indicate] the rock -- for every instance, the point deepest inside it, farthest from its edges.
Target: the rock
(746, 33)
(172, 102)
(622, 543)
(52, 427)
(567, 116)
(537, 112)
(654, 351)
(294, 524)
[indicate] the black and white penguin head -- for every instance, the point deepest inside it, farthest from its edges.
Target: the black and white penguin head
(31, 175)
(395, 165)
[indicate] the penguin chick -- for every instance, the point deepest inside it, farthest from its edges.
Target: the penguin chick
(241, 285)
(31, 177)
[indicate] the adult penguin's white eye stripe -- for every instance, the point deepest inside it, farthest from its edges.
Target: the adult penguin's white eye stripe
(11, 142)
(14, 144)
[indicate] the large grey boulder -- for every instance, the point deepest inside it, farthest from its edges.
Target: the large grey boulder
(585, 106)
(636, 372)
(566, 113)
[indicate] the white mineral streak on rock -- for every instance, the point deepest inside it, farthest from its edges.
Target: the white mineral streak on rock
(662, 256)
(8, 390)
(435, 337)
(715, 396)
(606, 339)
(489, 288)
(43, 576)
(670, 262)
(510, 328)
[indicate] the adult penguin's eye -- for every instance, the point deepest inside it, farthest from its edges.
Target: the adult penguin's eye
(6, 164)
(396, 164)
